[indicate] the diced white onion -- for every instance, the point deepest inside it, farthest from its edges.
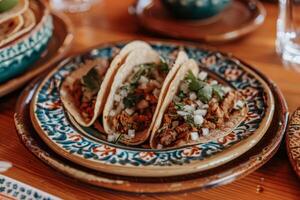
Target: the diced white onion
(184, 87)
(188, 108)
(129, 111)
(175, 124)
(226, 89)
(156, 92)
(143, 80)
(205, 131)
(199, 103)
(214, 82)
(198, 119)
(193, 96)
(239, 104)
(117, 98)
(131, 133)
(201, 112)
(112, 113)
(202, 75)
(205, 106)
(194, 136)
(111, 138)
(182, 113)
(123, 93)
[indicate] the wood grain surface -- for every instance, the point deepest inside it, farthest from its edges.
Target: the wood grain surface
(109, 21)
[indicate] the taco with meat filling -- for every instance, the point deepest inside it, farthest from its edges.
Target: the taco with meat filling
(84, 91)
(196, 109)
(136, 94)
(17, 26)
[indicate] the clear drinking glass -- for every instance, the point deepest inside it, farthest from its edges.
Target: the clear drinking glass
(288, 32)
(71, 5)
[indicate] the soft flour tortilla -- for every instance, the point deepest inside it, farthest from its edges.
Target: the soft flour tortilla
(235, 119)
(136, 58)
(29, 22)
(118, 60)
(10, 26)
(19, 9)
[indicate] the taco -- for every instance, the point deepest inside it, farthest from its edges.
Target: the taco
(84, 91)
(196, 109)
(13, 10)
(28, 21)
(136, 94)
(10, 26)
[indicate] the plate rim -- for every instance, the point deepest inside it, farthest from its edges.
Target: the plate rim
(147, 171)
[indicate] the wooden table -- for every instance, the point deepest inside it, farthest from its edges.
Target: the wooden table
(110, 21)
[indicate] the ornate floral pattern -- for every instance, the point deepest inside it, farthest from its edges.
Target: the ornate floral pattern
(51, 117)
(12, 189)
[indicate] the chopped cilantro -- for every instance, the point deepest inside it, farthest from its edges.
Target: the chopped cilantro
(91, 80)
(181, 94)
(194, 83)
(118, 138)
(131, 100)
(164, 67)
(205, 94)
(189, 119)
(179, 106)
(218, 92)
(143, 71)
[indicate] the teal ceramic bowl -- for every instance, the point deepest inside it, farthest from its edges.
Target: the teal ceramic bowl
(21, 54)
(195, 9)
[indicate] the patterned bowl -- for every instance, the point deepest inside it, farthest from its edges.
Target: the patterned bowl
(195, 9)
(19, 55)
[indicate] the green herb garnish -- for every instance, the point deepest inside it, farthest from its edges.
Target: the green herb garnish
(203, 90)
(164, 67)
(118, 138)
(189, 119)
(205, 94)
(91, 80)
(178, 106)
(181, 94)
(143, 71)
(218, 92)
(194, 83)
(131, 100)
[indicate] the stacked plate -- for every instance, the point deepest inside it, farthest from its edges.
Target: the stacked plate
(62, 133)
(27, 31)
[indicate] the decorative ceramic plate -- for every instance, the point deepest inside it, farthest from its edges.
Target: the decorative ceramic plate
(233, 170)
(239, 19)
(57, 47)
(293, 141)
(51, 121)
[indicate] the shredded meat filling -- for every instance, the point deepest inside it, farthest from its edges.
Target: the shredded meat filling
(217, 114)
(86, 107)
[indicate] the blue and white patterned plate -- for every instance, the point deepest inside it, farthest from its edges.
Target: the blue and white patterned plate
(53, 125)
(11, 189)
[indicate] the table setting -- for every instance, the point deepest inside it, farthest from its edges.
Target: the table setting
(152, 99)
